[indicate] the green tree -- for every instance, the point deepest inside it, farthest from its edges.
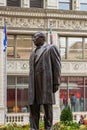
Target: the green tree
(66, 115)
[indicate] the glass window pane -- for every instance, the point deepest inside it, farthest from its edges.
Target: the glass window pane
(83, 1)
(22, 99)
(75, 48)
(16, 3)
(85, 43)
(10, 46)
(83, 7)
(64, 6)
(85, 100)
(10, 99)
(11, 80)
(62, 47)
(36, 3)
(22, 93)
(76, 93)
(64, 0)
(75, 54)
(24, 46)
(62, 53)
(63, 93)
(75, 43)
(22, 80)
(62, 42)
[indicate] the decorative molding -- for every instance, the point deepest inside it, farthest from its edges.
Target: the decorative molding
(35, 23)
(72, 24)
(18, 67)
(37, 12)
(27, 18)
(74, 68)
(22, 67)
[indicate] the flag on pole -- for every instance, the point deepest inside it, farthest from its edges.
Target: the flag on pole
(5, 39)
(51, 36)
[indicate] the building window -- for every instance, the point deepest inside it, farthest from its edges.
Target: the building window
(73, 48)
(85, 48)
(17, 94)
(36, 3)
(15, 3)
(19, 46)
(83, 5)
(73, 93)
(65, 4)
(62, 45)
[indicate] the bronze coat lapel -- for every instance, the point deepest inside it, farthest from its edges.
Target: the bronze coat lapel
(40, 52)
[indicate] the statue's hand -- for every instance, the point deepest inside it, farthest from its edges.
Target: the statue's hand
(55, 88)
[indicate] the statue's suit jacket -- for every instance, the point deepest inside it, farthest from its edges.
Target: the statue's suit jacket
(44, 75)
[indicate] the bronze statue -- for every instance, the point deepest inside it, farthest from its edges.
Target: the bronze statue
(44, 80)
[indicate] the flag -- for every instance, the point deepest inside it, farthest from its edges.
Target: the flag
(5, 39)
(51, 36)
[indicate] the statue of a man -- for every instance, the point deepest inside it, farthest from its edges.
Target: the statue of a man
(44, 80)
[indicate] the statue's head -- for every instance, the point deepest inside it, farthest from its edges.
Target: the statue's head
(39, 38)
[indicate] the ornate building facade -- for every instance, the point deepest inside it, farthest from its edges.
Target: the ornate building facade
(69, 29)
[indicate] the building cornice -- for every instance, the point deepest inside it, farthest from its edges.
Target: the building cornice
(33, 19)
(38, 12)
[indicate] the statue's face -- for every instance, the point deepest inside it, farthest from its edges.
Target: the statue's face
(39, 39)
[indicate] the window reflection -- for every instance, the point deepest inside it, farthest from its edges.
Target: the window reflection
(75, 48)
(63, 93)
(72, 91)
(17, 94)
(19, 46)
(15, 3)
(85, 103)
(10, 48)
(72, 48)
(85, 48)
(64, 4)
(83, 5)
(62, 46)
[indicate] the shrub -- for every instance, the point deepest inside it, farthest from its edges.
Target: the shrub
(66, 115)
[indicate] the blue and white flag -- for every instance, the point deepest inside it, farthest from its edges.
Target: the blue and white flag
(5, 39)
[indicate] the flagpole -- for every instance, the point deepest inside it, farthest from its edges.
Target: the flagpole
(51, 38)
(5, 85)
(5, 71)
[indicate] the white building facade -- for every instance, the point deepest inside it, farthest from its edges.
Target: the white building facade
(69, 29)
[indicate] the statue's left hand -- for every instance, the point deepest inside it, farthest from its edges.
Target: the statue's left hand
(55, 88)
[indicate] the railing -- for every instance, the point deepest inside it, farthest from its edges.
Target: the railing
(23, 118)
(20, 118)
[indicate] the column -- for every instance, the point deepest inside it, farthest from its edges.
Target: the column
(75, 4)
(25, 3)
(2, 105)
(2, 2)
(51, 4)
